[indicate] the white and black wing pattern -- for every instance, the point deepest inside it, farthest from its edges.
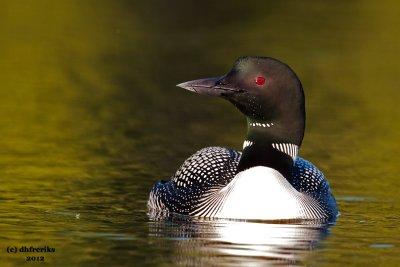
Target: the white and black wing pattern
(207, 171)
(203, 182)
(309, 180)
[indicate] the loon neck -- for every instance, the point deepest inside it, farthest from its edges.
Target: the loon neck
(268, 144)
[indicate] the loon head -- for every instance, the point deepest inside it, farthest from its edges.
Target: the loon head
(270, 95)
(266, 91)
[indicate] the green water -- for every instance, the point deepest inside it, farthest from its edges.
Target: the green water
(91, 118)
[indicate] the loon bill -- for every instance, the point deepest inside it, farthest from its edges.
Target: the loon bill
(267, 180)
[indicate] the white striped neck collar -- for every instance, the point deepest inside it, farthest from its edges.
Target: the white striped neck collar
(255, 124)
(271, 144)
(287, 148)
(247, 143)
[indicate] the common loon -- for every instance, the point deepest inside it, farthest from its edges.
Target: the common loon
(267, 180)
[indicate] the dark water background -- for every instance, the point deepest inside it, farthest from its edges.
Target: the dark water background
(91, 118)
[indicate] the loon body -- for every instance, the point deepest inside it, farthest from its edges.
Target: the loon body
(267, 180)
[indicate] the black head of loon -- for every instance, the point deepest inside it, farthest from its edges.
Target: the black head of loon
(270, 95)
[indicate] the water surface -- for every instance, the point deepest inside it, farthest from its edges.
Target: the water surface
(91, 118)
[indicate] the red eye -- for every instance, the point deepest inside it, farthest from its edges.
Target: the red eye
(260, 80)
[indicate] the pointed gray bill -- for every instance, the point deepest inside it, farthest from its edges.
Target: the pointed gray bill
(208, 86)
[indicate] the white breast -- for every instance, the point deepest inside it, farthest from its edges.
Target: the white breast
(263, 193)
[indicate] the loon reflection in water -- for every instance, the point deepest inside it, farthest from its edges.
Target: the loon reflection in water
(216, 242)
